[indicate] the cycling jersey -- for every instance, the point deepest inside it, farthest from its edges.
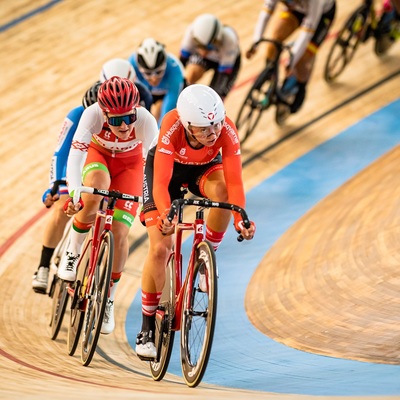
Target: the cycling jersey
(93, 131)
(170, 86)
(312, 11)
(173, 147)
(59, 160)
(225, 52)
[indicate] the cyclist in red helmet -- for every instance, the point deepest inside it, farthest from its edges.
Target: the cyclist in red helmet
(107, 152)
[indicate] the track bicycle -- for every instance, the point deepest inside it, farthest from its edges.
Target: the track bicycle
(190, 305)
(362, 24)
(265, 91)
(90, 291)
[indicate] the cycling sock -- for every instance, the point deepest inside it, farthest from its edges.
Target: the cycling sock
(47, 253)
(150, 303)
(78, 234)
(113, 289)
(215, 238)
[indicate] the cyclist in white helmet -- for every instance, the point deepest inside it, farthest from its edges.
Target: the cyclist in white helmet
(123, 68)
(313, 18)
(210, 45)
(198, 147)
(161, 73)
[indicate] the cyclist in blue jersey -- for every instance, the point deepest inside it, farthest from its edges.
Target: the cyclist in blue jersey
(161, 72)
(58, 219)
(210, 45)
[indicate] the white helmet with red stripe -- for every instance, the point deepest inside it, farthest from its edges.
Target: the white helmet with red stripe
(199, 105)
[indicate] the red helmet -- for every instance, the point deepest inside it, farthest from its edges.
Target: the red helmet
(118, 95)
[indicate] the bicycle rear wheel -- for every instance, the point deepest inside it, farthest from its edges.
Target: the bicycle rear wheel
(257, 100)
(98, 295)
(354, 32)
(59, 305)
(164, 336)
(198, 321)
(78, 299)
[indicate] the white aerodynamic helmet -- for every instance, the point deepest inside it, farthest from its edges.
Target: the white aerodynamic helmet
(151, 55)
(206, 29)
(117, 67)
(199, 105)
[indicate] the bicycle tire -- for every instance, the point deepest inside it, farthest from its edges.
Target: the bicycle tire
(164, 336)
(198, 322)
(98, 296)
(353, 32)
(383, 41)
(59, 305)
(76, 314)
(258, 100)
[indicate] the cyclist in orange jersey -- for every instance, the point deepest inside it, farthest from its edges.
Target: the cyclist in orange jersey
(198, 147)
(313, 18)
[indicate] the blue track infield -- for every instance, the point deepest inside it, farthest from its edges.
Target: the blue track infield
(241, 356)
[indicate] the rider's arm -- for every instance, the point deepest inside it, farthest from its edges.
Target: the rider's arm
(263, 18)
(232, 166)
(60, 156)
(307, 30)
(164, 160)
(91, 122)
(146, 129)
(187, 46)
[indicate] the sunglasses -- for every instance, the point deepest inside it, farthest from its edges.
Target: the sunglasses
(117, 121)
(149, 73)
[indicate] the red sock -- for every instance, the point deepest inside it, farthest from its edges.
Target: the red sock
(150, 303)
(215, 238)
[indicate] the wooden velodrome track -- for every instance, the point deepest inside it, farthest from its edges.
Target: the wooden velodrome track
(47, 62)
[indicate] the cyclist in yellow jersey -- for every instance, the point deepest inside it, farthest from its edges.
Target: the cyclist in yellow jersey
(313, 18)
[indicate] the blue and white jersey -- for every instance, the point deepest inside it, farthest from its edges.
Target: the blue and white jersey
(170, 85)
(58, 166)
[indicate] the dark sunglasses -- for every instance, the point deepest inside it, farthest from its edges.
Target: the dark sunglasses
(149, 73)
(117, 121)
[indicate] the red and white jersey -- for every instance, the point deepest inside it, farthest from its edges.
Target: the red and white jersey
(93, 131)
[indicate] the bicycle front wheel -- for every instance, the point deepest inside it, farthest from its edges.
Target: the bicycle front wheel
(257, 100)
(345, 45)
(198, 319)
(164, 335)
(97, 298)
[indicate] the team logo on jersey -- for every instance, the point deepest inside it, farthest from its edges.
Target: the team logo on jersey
(182, 151)
(128, 205)
(210, 116)
(107, 135)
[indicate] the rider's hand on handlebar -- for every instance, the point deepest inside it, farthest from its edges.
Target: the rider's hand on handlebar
(70, 208)
(247, 234)
(164, 225)
(48, 199)
(250, 52)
